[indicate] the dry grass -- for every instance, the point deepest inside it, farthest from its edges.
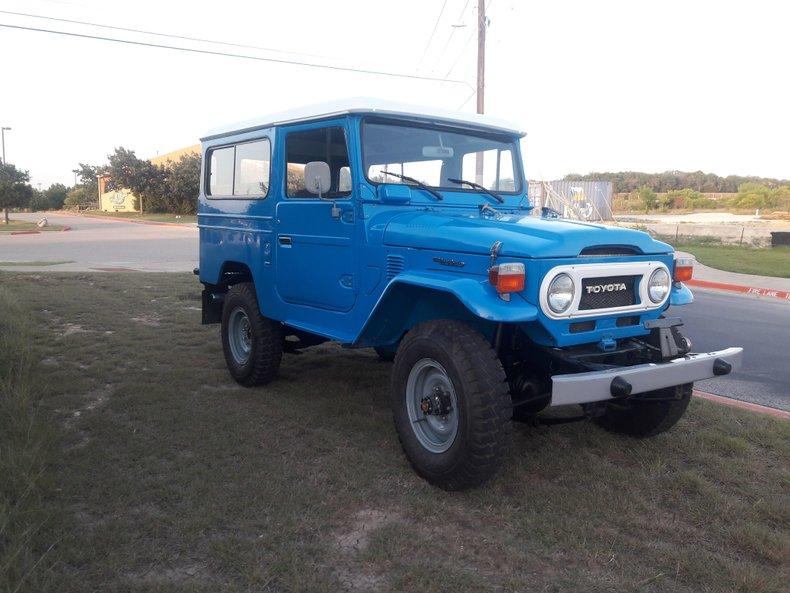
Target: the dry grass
(172, 478)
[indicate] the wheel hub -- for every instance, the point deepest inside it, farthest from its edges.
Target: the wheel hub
(438, 402)
(432, 405)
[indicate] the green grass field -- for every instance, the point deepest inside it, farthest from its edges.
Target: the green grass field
(768, 261)
(163, 475)
(178, 218)
(22, 225)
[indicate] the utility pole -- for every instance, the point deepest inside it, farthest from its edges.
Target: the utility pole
(2, 133)
(481, 76)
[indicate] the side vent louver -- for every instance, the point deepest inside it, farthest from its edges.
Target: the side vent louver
(394, 266)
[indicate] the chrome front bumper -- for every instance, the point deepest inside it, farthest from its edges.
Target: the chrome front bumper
(596, 386)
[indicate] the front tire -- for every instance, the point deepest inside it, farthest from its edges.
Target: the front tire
(450, 404)
(642, 419)
(252, 343)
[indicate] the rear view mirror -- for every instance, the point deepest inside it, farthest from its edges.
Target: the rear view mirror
(317, 178)
(437, 152)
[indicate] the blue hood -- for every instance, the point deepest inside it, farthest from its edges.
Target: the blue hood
(521, 236)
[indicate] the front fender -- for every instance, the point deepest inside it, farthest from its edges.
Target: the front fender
(414, 297)
(680, 295)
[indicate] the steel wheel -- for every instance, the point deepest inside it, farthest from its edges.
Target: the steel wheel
(432, 405)
(239, 335)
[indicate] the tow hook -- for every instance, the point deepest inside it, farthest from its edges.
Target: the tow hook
(721, 367)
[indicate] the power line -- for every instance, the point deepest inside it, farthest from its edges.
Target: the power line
(435, 25)
(466, 43)
(450, 37)
(232, 55)
(169, 35)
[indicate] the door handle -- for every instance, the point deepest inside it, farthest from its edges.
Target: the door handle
(285, 240)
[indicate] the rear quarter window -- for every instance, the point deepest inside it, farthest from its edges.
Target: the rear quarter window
(240, 171)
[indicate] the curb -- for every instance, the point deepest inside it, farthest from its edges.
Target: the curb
(783, 295)
(736, 403)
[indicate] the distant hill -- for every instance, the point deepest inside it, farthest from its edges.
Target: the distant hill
(628, 181)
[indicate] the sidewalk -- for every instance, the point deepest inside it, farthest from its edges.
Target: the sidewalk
(769, 286)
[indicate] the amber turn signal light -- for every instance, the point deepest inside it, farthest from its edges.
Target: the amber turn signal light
(507, 278)
(684, 269)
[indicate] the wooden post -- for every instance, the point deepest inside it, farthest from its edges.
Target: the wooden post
(481, 76)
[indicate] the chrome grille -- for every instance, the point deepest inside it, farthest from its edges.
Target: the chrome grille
(607, 292)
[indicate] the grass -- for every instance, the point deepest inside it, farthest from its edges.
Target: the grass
(14, 226)
(35, 263)
(766, 261)
(28, 513)
(178, 218)
(173, 478)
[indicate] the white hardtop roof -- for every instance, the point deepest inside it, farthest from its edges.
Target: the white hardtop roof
(364, 105)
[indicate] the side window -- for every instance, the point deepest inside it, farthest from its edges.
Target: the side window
(322, 144)
(241, 170)
(498, 174)
(221, 172)
(252, 169)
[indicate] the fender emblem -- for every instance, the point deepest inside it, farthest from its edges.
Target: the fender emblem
(614, 287)
(449, 262)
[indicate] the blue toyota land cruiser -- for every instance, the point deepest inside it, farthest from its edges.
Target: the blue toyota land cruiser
(409, 230)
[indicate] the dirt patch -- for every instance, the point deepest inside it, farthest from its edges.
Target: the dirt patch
(148, 320)
(171, 575)
(70, 329)
(363, 524)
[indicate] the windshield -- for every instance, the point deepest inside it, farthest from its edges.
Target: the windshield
(435, 156)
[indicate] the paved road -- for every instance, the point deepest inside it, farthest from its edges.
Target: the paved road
(715, 320)
(761, 326)
(96, 243)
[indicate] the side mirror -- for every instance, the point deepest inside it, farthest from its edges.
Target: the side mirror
(317, 178)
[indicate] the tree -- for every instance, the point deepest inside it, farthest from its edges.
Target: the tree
(172, 187)
(648, 197)
(15, 190)
(79, 196)
(144, 179)
(183, 184)
(89, 179)
(51, 198)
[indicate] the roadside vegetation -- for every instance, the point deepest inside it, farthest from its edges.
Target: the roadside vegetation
(763, 261)
(173, 478)
(155, 217)
(15, 226)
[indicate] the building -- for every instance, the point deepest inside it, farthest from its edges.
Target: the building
(122, 199)
(579, 200)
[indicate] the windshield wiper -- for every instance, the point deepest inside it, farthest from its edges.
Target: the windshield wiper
(416, 182)
(477, 186)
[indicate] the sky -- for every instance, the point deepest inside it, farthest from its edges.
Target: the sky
(598, 86)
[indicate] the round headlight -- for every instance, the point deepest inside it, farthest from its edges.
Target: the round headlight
(560, 294)
(658, 286)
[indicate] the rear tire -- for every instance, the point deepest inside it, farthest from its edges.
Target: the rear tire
(647, 419)
(252, 343)
(460, 442)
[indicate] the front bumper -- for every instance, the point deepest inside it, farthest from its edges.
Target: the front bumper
(596, 386)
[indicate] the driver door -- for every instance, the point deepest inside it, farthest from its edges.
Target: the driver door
(315, 260)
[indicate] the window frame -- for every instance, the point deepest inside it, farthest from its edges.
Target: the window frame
(232, 196)
(377, 119)
(344, 195)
